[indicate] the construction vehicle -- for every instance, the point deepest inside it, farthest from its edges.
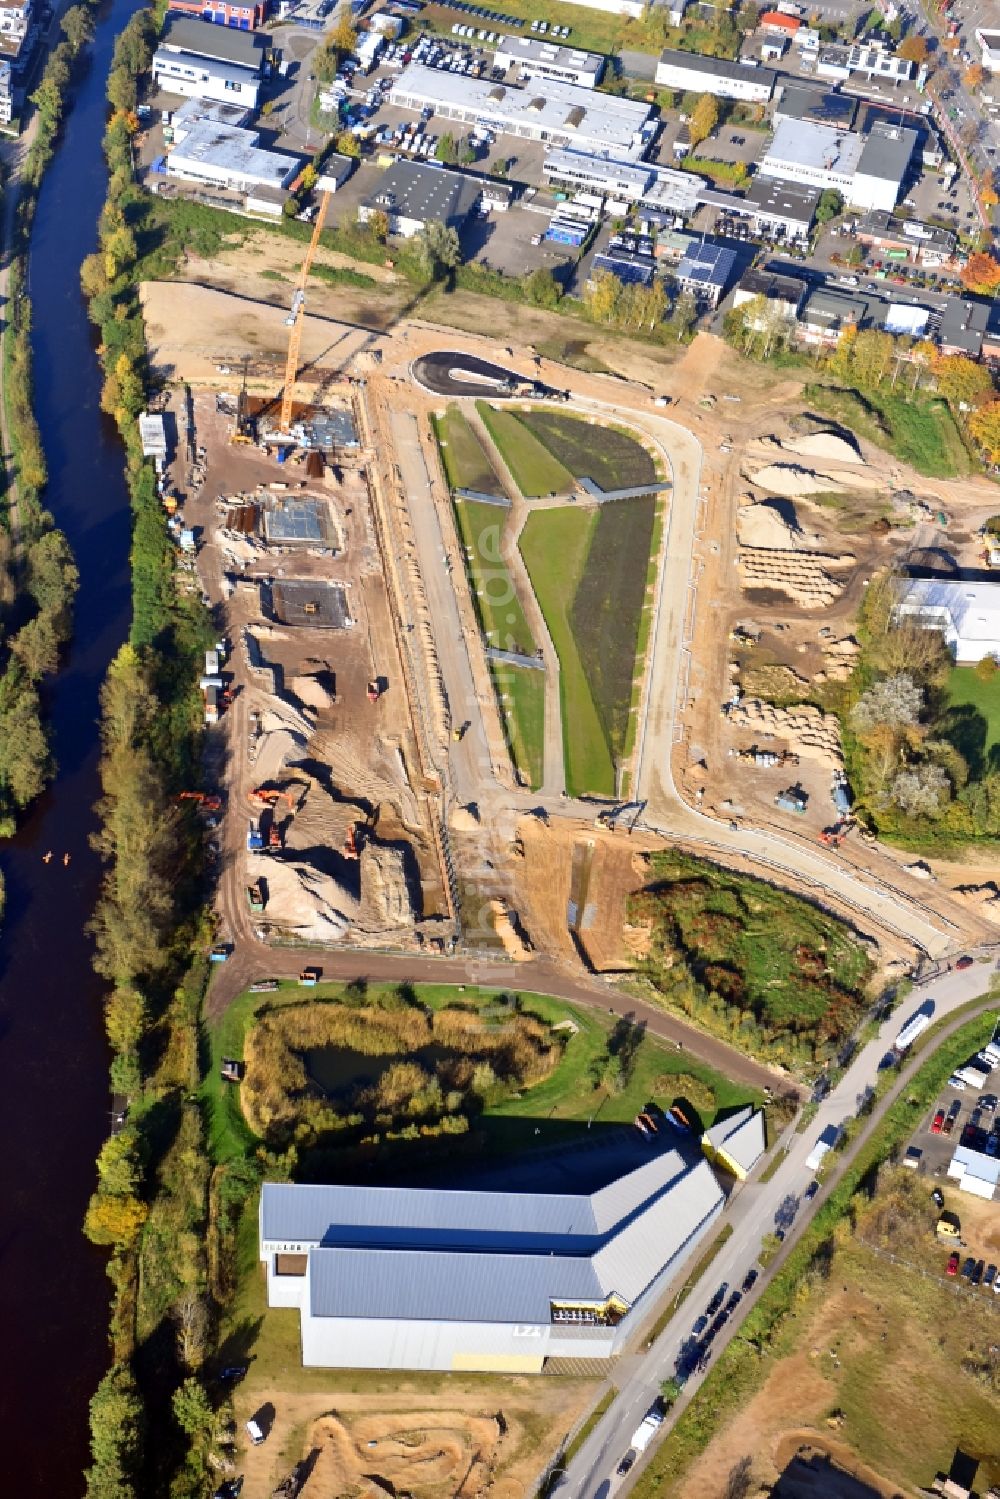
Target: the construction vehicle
(245, 429)
(458, 732)
(765, 759)
(834, 836)
(265, 796)
(791, 800)
(296, 317)
(220, 952)
(374, 690)
(255, 898)
(274, 841)
(232, 1071)
(309, 977)
(204, 802)
(311, 608)
(255, 838)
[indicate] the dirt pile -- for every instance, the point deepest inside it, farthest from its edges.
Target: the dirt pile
(829, 447)
(985, 899)
(516, 945)
(385, 890)
(281, 740)
(795, 479)
(464, 820)
(772, 525)
(304, 901)
(839, 658)
(804, 576)
(311, 691)
(804, 729)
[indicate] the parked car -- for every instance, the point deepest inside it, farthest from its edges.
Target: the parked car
(937, 1122)
(718, 1299)
(990, 1276)
(953, 1262)
(937, 1197)
(977, 1273)
(965, 961)
(749, 1280)
(734, 1301)
(811, 1191)
(255, 1432)
(948, 1125)
(968, 1267)
(626, 1463)
(988, 1103)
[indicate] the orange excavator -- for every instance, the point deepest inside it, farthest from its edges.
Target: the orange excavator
(264, 797)
(205, 803)
(357, 832)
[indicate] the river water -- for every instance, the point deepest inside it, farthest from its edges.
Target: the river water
(53, 1059)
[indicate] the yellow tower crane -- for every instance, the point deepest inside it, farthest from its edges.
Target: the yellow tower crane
(295, 318)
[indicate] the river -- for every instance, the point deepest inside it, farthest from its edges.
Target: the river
(53, 1058)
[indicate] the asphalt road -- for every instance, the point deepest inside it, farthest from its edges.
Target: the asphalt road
(756, 1209)
(458, 375)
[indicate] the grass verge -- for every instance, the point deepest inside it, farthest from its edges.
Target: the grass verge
(555, 545)
(465, 464)
(534, 469)
(521, 694)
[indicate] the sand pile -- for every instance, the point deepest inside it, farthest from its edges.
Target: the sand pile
(829, 447)
(312, 692)
(984, 898)
(794, 479)
(515, 944)
(464, 820)
(805, 730)
(284, 734)
(771, 525)
(802, 575)
(385, 891)
(839, 657)
(303, 901)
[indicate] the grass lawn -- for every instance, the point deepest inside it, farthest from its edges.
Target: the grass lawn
(522, 696)
(613, 459)
(607, 609)
(555, 545)
(466, 466)
(534, 469)
(920, 432)
(500, 614)
(566, 1096)
(972, 722)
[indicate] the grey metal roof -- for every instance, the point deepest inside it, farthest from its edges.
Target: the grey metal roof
(770, 284)
(409, 1217)
(697, 62)
(791, 200)
(887, 151)
(227, 43)
(485, 1286)
(424, 193)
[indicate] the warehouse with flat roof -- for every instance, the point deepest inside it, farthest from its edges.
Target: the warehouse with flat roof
(196, 77)
(411, 1278)
(966, 613)
(223, 43)
(867, 170)
(413, 194)
(230, 158)
(542, 59)
(695, 73)
(624, 181)
(550, 111)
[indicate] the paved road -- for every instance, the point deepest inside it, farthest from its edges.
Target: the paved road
(456, 375)
(756, 1209)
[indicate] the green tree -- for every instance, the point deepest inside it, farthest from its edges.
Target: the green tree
(445, 150)
(77, 26)
(25, 760)
(439, 249)
(36, 646)
(541, 288)
(683, 317)
(601, 296)
(117, 1422)
(119, 1164)
(53, 576)
(829, 206)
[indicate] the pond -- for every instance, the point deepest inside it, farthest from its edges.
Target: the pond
(339, 1071)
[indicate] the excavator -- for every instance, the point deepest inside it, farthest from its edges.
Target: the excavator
(296, 317)
(205, 803)
(358, 833)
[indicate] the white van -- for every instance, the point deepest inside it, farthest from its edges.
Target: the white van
(255, 1433)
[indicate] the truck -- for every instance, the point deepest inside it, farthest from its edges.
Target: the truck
(255, 898)
(255, 838)
(790, 801)
(646, 1431)
(911, 1030)
(826, 1142)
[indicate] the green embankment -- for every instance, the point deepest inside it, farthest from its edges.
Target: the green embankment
(919, 430)
(554, 545)
(534, 469)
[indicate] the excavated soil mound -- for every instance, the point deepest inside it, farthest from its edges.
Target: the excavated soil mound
(303, 900)
(385, 891)
(804, 729)
(985, 899)
(829, 447)
(771, 524)
(464, 820)
(792, 479)
(425, 1455)
(310, 690)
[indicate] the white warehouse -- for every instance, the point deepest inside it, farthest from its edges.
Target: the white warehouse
(410, 1278)
(541, 59)
(967, 614)
(559, 113)
(205, 78)
(695, 73)
(228, 157)
(867, 170)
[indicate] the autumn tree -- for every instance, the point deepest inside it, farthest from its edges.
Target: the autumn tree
(981, 273)
(984, 428)
(116, 1435)
(439, 249)
(963, 382)
(973, 76)
(703, 119)
(541, 288)
(378, 225)
(600, 296)
(683, 317)
(913, 48)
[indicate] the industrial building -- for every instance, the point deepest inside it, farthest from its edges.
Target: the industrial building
(206, 112)
(624, 181)
(975, 1171)
(966, 613)
(6, 93)
(413, 194)
(694, 73)
(541, 59)
(821, 106)
(989, 48)
(226, 157)
(245, 15)
(706, 271)
(410, 1278)
(196, 77)
(781, 210)
(634, 8)
(221, 43)
(866, 60)
(867, 170)
(784, 293)
(559, 113)
(736, 1143)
